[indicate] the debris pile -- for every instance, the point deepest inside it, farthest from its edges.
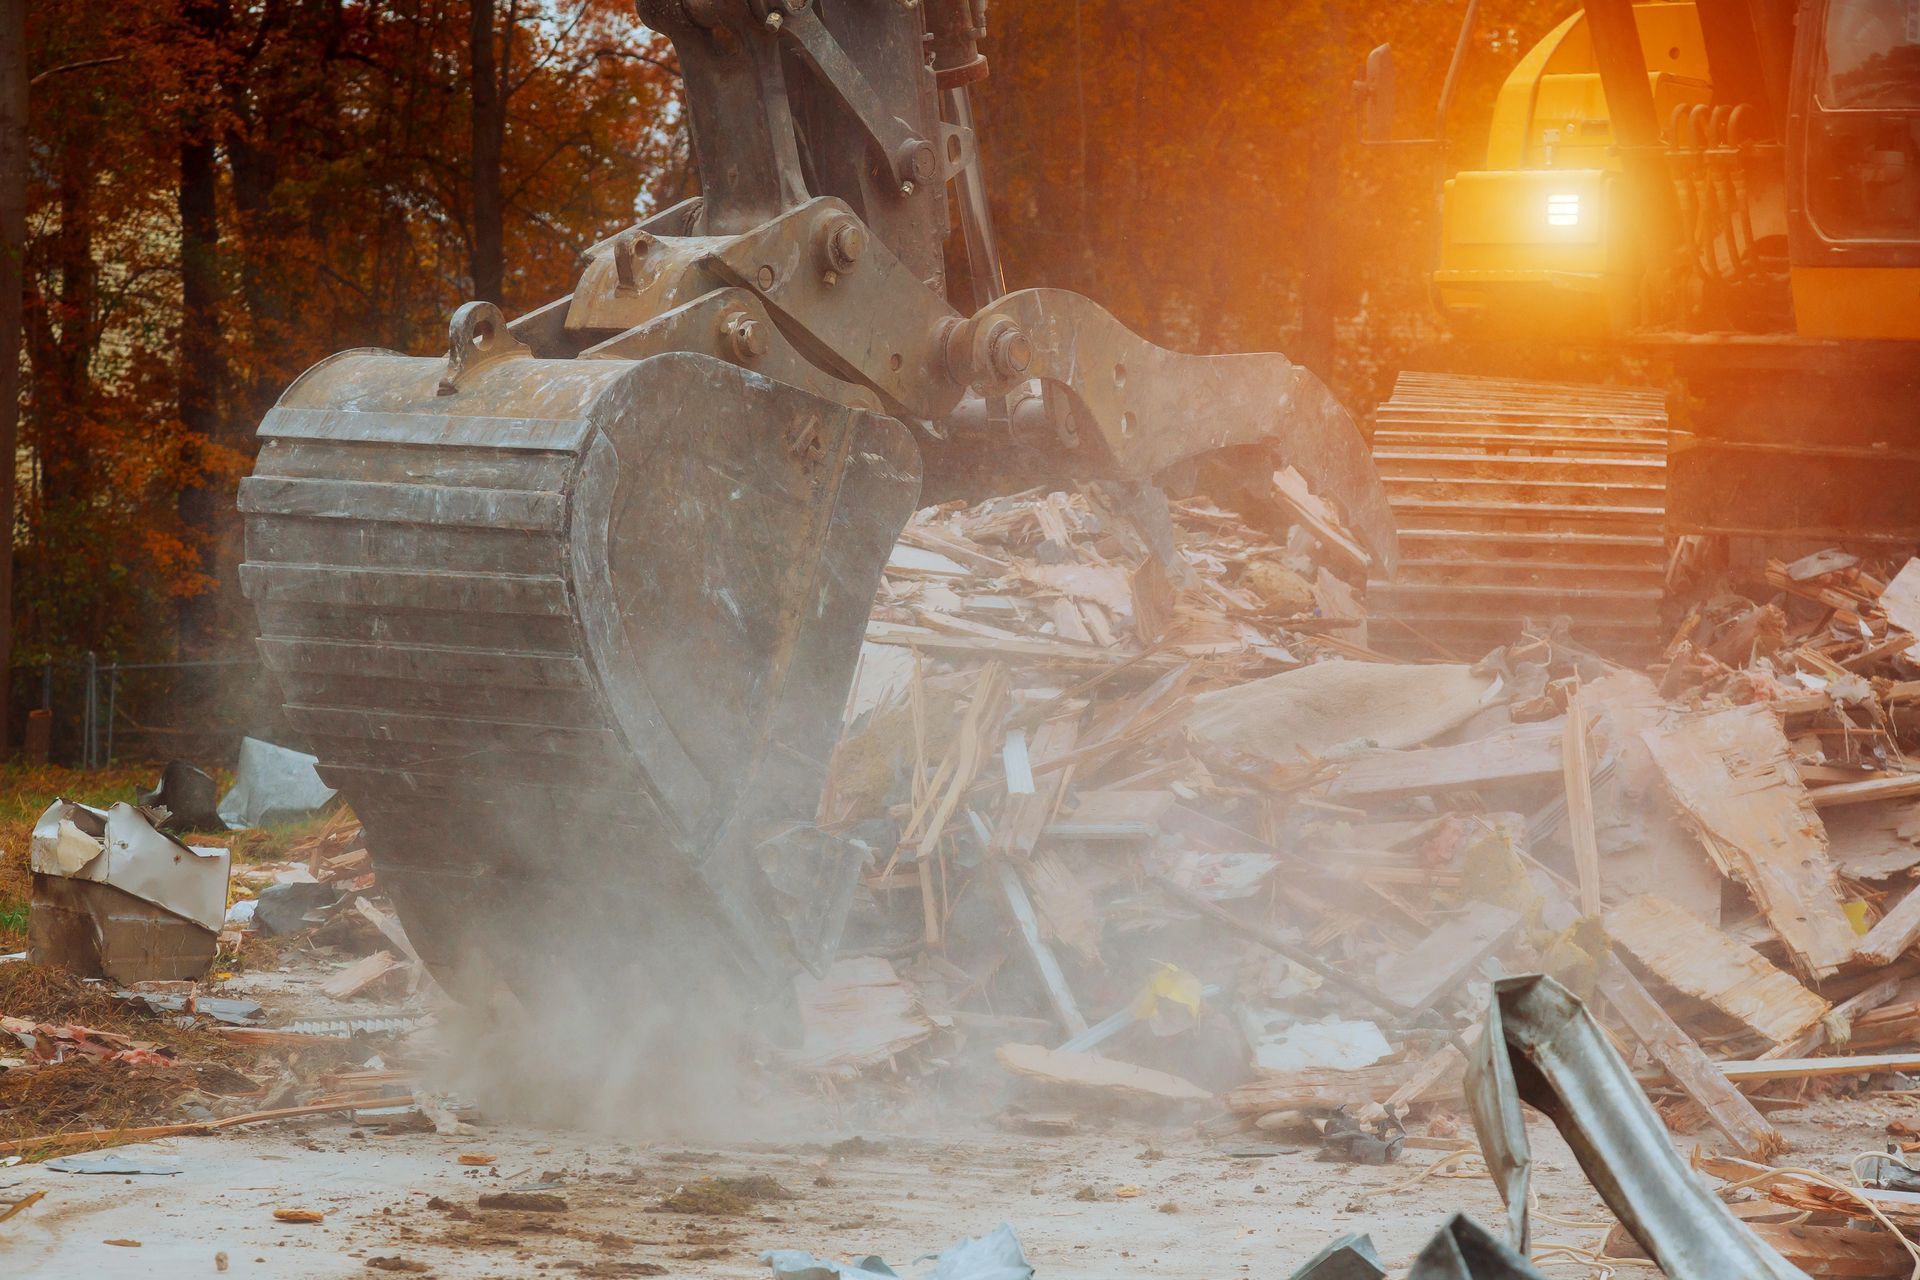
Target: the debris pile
(1148, 818)
(87, 1063)
(1147, 824)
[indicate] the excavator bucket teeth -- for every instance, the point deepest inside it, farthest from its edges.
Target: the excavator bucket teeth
(572, 637)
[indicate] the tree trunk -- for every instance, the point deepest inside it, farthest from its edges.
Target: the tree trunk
(13, 245)
(66, 386)
(1320, 273)
(489, 126)
(199, 357)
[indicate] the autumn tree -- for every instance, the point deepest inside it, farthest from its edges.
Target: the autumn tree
(226, 193)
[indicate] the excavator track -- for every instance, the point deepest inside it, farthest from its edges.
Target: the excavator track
(1522, 501)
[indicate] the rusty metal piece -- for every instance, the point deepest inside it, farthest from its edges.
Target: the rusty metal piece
(1541, 1045)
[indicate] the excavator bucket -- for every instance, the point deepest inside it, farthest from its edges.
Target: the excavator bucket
(574, 636)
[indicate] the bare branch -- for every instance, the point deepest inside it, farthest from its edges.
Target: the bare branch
(74, 66)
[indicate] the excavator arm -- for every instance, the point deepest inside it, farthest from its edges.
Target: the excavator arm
(570, 615)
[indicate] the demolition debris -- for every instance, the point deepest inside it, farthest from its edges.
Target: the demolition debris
(1146, 825)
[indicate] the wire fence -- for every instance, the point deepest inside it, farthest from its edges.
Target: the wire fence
(91, 711)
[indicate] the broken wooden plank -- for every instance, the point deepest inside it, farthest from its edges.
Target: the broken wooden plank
(1416, 980)
(1890, 1025)
(1091, 1071)
(1696, 959)
(1816, 1068)
(1838, 1021)
(1025, 817)
(1726, 1107)
(1873, 841)
(860, 1014)
(1113, 815)
(1443, 1064)
(1527, 756)
(1323, 1088)
(1027, 921)
(1329, 707)
(1730, 773)
(1646, 846)
(1312, 513)
(1066, 908)
(1823, 1252)
(1889, 939)
(1900, 1207)
(1873, 790)
(359, 975)
(1577, 766)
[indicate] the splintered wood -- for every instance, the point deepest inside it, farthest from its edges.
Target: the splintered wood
(1696, 959)
(1132, 728)
(1730, 773)
(859, 1015)
(1064, 1069)
(1687, 1064)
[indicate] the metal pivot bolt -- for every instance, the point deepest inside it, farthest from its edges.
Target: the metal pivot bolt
(1009, 351)
(918, 162)
(842, 243)
(744, 336)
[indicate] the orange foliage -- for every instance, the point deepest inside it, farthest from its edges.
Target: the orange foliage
(341, 216)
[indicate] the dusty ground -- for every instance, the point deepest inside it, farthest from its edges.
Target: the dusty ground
(1227, 1215)
(1198, 1210)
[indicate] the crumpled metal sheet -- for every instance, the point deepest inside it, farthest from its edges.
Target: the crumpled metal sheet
(1541, 1045)
(120, 846)
(1350, 1257)
(798, 1264)
(272, 781)
(1465, 1250)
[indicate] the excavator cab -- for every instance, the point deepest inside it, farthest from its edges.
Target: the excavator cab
(1729, 190)
(569, 614)
(1854, 172)
(1748, 165)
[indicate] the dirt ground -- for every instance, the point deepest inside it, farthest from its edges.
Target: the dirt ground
(1190, 1208)
(1113, 1200)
